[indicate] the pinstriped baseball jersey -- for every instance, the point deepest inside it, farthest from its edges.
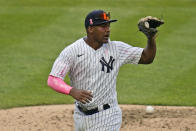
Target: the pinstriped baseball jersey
(95, 70)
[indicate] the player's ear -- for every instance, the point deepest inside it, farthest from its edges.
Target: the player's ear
(90, 29)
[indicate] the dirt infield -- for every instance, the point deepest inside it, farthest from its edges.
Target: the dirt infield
(59, 118)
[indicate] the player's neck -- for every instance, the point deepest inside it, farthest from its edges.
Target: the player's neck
(92, 43)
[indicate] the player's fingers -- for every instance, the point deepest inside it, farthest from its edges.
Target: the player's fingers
(83, 101)
(89, 98)
(86, 97)
(87, 101)
(88, 93)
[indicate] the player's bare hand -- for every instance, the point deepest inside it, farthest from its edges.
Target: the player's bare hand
(83, 96)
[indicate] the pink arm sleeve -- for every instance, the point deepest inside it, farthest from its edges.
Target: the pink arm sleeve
(58, 85)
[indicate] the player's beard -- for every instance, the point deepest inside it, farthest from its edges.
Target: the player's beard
(106, 38)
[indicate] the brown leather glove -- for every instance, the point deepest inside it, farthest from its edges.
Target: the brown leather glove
(148, 25)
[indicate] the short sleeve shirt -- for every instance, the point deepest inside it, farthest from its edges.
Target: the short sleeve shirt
(95, 70)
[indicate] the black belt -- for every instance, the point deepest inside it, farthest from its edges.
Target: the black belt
(93, 111)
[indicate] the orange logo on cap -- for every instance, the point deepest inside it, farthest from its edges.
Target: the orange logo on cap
(105, 16)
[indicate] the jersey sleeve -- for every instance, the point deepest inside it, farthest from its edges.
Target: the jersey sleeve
(62, 64)
(129, 54)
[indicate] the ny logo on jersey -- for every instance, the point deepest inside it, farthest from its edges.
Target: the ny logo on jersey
(109, 65)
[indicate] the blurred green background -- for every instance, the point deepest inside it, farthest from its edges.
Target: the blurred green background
(33, 33)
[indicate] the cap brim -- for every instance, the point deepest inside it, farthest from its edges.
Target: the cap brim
(112, 21)
(104, 22)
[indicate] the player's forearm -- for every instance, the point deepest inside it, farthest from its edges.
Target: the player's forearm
(58, 85)
(149, 52)
(151, 49)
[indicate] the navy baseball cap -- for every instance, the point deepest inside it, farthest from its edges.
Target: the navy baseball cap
(97, 17)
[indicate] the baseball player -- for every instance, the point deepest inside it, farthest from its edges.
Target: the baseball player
(93, 64)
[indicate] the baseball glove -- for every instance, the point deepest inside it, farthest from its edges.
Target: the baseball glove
(148, 25)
